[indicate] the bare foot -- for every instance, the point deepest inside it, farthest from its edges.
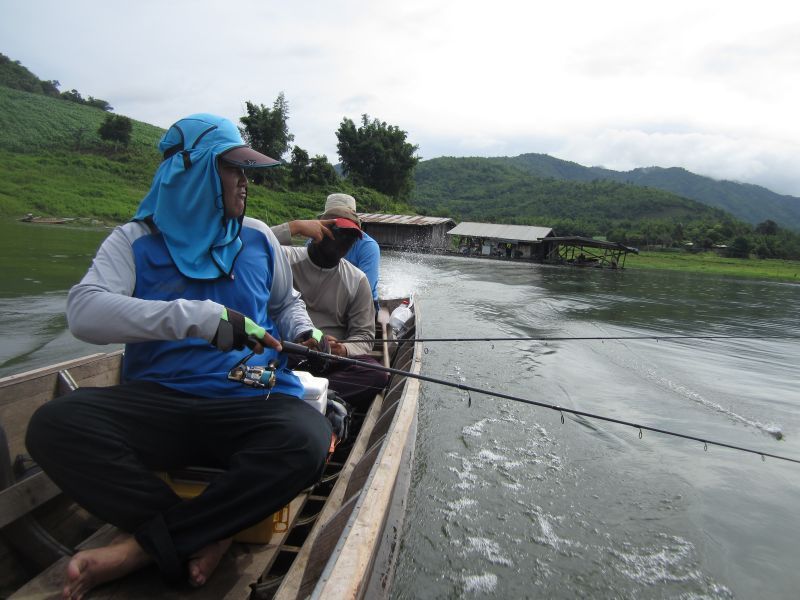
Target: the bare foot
(90, 568)
(204, 561)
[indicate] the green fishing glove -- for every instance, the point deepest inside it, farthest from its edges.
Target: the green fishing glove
(317, 365)
(312, 334)
(235, 331)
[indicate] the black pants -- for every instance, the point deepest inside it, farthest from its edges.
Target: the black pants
(101, 446)
(356, 384)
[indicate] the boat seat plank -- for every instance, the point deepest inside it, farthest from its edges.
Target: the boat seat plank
(19, 499)
(237, 572)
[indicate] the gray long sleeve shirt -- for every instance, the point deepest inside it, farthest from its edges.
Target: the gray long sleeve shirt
(101, 308)
(339, 300)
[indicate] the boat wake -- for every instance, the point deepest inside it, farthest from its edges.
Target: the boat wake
(634, 362)
(496, 529)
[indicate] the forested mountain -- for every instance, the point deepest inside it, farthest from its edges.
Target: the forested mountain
(541, 190)
(751, 203)
(496, 190)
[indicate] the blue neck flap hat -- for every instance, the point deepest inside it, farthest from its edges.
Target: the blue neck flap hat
(185, 201)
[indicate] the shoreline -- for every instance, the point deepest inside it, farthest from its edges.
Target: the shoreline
(709, 263)
(706, 263)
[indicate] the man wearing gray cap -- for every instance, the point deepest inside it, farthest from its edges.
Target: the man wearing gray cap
(339, 302)
(365, 253)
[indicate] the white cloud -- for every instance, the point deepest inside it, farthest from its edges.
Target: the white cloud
(707, 86)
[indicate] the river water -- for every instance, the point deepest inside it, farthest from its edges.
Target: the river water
(508, 502)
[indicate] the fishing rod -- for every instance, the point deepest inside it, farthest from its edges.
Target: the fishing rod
(546, 338)
(298, 349)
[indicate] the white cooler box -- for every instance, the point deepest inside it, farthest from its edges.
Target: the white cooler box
(315, 390)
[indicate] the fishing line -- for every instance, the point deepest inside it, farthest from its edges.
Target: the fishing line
(546, 338)
(293, 348)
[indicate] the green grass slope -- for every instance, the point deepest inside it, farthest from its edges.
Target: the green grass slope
(53, 163)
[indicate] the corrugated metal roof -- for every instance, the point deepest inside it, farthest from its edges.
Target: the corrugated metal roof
(403, 219)
(521, 233)
(575, 240)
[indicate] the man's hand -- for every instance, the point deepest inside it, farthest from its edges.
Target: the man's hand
(313, 229)
(235, 331)
(336, 348)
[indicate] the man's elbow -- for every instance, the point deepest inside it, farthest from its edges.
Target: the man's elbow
(82, 321)
(84, 328)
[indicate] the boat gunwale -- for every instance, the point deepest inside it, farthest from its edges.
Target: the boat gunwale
(346, 575)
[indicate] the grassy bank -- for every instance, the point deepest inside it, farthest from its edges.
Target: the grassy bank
(54, 164)
(713, 264)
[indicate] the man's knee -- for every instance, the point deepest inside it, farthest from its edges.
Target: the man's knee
(59, 428)
(313, 431)
(43, 428)
(380, 379)
(376, 378)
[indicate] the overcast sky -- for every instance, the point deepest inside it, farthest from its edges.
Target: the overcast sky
(711, 86)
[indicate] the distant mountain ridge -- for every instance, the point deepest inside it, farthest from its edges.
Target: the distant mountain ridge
(498, 191)
(751, 203)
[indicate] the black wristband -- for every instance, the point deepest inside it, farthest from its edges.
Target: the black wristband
(236, 319)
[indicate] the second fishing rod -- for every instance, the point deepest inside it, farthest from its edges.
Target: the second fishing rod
(300, 350)
(554, 338)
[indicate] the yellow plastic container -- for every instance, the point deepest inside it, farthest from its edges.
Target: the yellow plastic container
(189, 483)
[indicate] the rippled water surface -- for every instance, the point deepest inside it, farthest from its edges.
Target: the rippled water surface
(508, 502)
(39, 263)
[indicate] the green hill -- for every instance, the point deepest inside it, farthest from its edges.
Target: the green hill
(751, 203)
(53, 163)
(498, 190)
(536, 189)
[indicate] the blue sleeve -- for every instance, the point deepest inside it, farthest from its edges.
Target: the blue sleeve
(366, 255)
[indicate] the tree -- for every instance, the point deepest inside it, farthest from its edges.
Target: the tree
(768, 227)
(310, 171)
(377, 155)
(50, 88)
(73, 95)
(116, 128)
(265, 129)
(321, 172)
(299, 166)
(740, 247)
(99, 103)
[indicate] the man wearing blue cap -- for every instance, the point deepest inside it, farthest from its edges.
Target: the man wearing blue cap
(190, 286)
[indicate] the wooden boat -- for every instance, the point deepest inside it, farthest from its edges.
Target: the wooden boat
(341, 537)
(29, 218)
